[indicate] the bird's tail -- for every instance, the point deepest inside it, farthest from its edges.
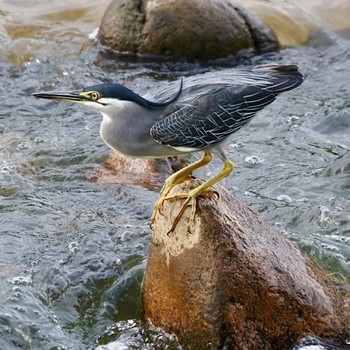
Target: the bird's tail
(283, 77)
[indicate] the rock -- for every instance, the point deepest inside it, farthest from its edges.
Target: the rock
(208, 29)
(149, 173)
(200, 29)
(119, 162)
(122, 24)
(234, 280)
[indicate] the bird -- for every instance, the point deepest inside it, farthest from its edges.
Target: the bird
(202, 115)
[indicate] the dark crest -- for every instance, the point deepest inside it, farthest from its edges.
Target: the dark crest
(122, 93)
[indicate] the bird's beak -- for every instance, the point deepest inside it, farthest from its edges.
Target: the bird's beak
(69, 96)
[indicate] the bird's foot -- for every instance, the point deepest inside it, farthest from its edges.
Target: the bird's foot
(158, 207)
(191, 200)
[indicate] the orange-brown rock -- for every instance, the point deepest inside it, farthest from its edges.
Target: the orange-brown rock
(234, 280)
(149, 173)
(125, 170)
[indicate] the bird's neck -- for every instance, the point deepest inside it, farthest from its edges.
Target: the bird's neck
(128, 133)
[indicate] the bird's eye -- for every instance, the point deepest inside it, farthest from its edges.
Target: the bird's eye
(95, 96)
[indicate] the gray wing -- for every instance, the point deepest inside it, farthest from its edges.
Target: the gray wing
(211, 117)
(219, 110)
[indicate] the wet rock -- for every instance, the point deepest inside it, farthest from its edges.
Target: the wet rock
(208, 29)
(121, 163)
(149, 173)
(234, 280)
(203, 29)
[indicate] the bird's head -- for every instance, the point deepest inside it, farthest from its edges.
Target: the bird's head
(105, 97)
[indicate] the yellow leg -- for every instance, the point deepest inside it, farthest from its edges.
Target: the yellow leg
(191, 198)
(176, 178)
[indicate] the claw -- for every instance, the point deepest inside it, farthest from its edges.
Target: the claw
(158, 208)
(159, 204)
(177, 178)
(191, 200)
(216, 193)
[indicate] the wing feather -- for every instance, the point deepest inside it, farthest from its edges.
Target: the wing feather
(208, 115)
(211, 118)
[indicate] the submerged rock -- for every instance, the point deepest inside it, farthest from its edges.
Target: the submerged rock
(234, 280)
(203, 29)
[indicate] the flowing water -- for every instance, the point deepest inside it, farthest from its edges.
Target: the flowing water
(73, 251)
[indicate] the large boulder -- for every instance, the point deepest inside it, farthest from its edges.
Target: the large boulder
(208, 29)
(234, 281)
(203, 29)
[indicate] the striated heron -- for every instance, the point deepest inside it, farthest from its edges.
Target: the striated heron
(200, 117)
